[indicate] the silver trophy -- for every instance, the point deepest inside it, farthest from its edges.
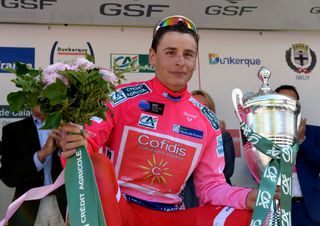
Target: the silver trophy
(270, 115)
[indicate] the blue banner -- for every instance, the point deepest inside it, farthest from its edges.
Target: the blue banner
(10, 55)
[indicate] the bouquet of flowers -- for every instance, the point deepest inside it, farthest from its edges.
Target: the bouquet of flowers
(65, 93)
(70, 94)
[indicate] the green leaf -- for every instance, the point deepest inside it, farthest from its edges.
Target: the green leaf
(17, 101)
(53, 120)
(21, 68)
(56, 92)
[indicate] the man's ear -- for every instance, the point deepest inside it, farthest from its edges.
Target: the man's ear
(152, 55)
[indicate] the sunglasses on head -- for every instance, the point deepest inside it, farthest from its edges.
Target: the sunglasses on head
(174, 20)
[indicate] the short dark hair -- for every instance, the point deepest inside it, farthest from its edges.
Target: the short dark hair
(180, 27)
(288, 87)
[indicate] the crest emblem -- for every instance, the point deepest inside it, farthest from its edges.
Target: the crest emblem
(300, 58)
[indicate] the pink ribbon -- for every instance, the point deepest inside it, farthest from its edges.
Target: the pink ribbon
(32, 194)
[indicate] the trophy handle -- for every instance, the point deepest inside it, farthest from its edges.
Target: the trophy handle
(237, 100)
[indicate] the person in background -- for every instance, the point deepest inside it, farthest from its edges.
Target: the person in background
(160, 135)
(30, 159)
(190, 198)
(228, 147)
(306, 173)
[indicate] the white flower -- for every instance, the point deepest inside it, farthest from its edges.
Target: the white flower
(86, 64)
(108, 75)
(50, 74)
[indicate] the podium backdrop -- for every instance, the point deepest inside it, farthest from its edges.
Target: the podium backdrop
(227, 60)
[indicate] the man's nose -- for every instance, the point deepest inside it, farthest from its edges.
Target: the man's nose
(180, 61)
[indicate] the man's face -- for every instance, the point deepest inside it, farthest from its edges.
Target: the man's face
(174, 60)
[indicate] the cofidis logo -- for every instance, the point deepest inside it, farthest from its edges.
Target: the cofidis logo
(230, 60)
(10, 55)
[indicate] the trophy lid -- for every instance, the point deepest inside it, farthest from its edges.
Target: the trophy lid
(269, 98)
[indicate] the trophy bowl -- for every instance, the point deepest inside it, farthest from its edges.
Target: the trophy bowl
(269, 114)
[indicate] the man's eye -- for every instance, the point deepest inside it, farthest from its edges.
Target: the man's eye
(170, 53)
(189, 55)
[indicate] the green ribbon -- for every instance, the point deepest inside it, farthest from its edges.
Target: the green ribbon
(85, 208)
(280, 165)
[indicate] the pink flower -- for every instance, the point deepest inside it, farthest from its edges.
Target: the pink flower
(108, 75)
(50, 74)
(86, 64)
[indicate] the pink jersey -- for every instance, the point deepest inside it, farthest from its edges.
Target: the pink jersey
(157, 139)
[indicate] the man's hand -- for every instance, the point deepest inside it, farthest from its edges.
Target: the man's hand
(302, 130)
(69, 138)
(252, 196)
(251, 199)
(47, 149)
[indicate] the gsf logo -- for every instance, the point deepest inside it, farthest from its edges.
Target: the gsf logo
(315, 10)
(229, 10)
(26, 4)
(116, 9)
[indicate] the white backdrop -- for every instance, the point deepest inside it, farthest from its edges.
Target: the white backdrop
(213, 75)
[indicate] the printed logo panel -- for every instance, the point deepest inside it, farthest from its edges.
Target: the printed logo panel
(125, 93)
(187, 131)
(155, 161)
(149, 121)
(220, 151)
(67, 53)
(302, 60)
(207, 113)
(141, 61)
(152, 107)
(10, 55)
(215, 59)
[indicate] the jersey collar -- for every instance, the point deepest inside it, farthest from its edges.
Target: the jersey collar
(169, 94)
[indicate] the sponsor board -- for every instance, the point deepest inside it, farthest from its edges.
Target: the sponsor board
(124, 60)
(66, 53)
(10, 55)
(215, 59)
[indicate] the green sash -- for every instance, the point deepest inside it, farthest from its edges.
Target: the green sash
(84, 202)
(281, 164)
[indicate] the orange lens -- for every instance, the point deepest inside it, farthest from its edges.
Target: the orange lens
(174, 20)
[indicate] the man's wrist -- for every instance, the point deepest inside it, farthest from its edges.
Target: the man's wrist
(301, 140)
(41, 156)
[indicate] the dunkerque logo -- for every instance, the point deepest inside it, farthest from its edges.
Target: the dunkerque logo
(230, 60)
(300, 58)
(63, 52)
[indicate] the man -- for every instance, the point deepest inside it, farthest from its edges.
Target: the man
(306, 175)
(159, 135)
(30, 159)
